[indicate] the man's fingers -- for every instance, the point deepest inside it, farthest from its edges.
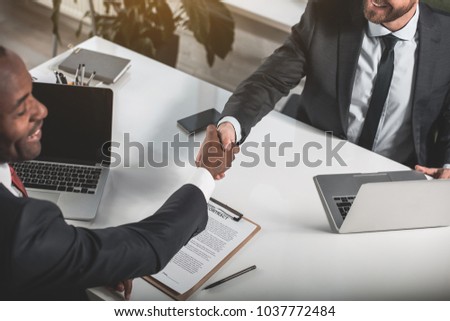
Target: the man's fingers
(445, 173)
(199, 157)
(214, 155)
(226, 143)
(442, 173)
(128, 285)
(426, 170)
(419, 168)
(211, 133)
(227, 135)
(219, 176)
(125, 287)
(119, 287)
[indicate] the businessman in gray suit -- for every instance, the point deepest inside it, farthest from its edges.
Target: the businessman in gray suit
(377, 74)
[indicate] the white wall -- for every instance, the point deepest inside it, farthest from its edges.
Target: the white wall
(74, 9)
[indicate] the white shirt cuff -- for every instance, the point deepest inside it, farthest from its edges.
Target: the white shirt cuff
(204, 181)
(447, 166)
(236, 125)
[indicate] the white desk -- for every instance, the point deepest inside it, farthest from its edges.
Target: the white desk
(297, 255)
(280, 14)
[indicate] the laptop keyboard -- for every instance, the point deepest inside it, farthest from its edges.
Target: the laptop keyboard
(344, 203)
(58, 177)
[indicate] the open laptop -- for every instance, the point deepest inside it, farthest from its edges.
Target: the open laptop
(72, 168)
(383, 201)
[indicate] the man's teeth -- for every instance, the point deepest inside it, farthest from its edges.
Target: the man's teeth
(35, 133)
(378, 5)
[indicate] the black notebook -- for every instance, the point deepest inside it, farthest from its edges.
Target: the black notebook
(108, 68)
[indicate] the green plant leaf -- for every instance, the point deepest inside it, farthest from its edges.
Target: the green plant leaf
(212, 25)
(146, 25)
(80, 23)
(55, 18)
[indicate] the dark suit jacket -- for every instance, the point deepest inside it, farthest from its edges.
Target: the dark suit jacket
(44, 258)
(324, 47)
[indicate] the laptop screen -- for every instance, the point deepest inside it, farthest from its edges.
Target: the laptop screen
(79, 123)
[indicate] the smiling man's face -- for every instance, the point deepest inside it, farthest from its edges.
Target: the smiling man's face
(390, 12)
(21, 115)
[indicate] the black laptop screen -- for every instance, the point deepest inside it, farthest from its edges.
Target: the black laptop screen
(78, 124)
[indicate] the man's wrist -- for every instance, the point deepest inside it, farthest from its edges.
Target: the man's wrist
(203, 179)
(236, 126)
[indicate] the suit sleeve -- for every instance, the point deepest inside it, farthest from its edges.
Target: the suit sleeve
(444, 131)
(256, 96)
(48, 253)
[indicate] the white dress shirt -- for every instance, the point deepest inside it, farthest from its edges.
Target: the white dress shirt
(204, 181)
(5, 179)
(394, 136)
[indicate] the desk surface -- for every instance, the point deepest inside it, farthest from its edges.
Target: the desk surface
(297, 255)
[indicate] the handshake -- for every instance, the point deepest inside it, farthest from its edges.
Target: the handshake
(218, 150)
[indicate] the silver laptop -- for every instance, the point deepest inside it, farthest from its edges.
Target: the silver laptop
(383, 201)
(72, 168)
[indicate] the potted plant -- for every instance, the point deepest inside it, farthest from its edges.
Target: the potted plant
(150, 26)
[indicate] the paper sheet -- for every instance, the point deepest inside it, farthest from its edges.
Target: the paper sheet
(206, 250)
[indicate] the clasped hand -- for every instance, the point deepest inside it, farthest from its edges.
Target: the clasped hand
(441, 173)
(126, 287)
(216, 154)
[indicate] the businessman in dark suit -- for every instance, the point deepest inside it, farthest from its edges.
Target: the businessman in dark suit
(44, 258)
(342, 47)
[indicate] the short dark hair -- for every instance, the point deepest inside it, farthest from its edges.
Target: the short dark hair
(2, 51)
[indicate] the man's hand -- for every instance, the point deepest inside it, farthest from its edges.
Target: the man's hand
(227, 135)
(125, 287)
(434, 172)
(213, 156)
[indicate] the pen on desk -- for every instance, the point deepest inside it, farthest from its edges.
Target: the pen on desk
(90, 78)
(228, 278)
(58, 81)
(83, 69)
(76, 74)
(62, 78)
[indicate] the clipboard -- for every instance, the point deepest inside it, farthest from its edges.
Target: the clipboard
(236, 218)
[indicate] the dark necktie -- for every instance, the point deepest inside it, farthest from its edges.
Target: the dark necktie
(17, 182)
(379, 94)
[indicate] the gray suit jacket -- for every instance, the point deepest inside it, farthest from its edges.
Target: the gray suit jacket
(44, 258)
(324, 47)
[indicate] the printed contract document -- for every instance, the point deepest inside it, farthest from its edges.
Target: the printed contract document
(205, 253)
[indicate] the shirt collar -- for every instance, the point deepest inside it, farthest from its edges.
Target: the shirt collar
(406, 33)
(5, 174)
(6, 180)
